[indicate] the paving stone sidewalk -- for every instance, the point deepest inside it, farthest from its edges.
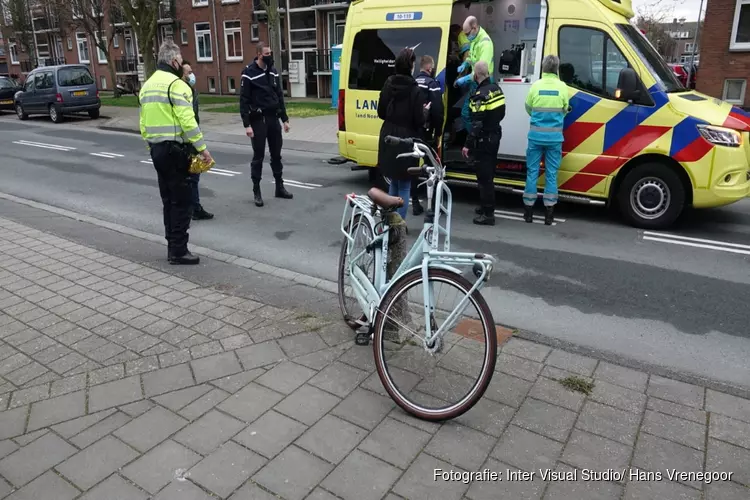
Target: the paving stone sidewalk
(122, 382)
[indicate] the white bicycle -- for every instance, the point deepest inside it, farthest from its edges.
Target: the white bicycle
(434, 358)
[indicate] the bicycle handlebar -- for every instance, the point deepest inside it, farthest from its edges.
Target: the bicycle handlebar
(394, 141)
(415, 170)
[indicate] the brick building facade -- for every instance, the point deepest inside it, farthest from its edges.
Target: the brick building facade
(725, 51)
(218, 37)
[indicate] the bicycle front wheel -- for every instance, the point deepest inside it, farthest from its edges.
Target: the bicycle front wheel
(363, 233)
(445, 379)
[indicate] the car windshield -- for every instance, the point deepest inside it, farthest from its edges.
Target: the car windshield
(653, 61)
(72, 77)
(7, 83)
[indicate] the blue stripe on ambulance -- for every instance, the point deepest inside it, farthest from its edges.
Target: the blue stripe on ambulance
(631, 116)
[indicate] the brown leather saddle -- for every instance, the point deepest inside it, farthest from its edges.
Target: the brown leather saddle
(384, 200)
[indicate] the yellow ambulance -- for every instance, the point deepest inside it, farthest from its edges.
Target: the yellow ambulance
(651, 148)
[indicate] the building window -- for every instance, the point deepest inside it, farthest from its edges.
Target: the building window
(302, 30)
(167, 33)
(200, 3)
(584, 50)
(230, 1)
(101, 55)
(42, 50)
(70, 43)
(184, 36)
(76, 11)
(741, 26)
(103, 82)
(233, 40)
(203, 42)
(116, 41)
(83, 48)
(688, 47)
(734, 91)
(254, 32)
(336, 23)
(13, 49)
(230, 85)
(211, 84)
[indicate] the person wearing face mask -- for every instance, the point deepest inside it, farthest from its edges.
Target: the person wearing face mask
(482, 49)
(199, 213)
(433, 127)
(261, 108)
(487, 105)
(167, 124)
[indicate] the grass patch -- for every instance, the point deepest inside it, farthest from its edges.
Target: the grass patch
(578, 384)
(293, 109)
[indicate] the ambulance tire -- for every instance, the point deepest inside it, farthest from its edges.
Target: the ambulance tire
(652, 196)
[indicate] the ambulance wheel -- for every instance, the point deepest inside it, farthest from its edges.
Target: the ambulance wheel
(651, 196)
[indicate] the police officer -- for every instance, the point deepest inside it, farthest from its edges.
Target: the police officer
(433, 96)
(199, 213)
(487, 105)
(261, 107)
(547, 103)
(168, 125)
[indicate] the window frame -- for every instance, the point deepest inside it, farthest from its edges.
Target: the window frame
(103, 82)
(233, 32)
(733, 45)
(184, 36)
(254, 32)
(736, 102)
(14, 61)
(116, 41)
(203, 33)
(688, 47)
(99, 52)
(607, 37)
(200, 3)
(231, 85)
(211, 85)
(80, 39)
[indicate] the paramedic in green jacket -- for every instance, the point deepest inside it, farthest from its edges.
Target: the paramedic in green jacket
(482, 49)
(547, 104)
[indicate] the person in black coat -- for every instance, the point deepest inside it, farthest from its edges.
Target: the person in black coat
(402, 108)
(199, 213)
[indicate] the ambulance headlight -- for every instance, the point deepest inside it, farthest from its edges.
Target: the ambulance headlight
(720, 136)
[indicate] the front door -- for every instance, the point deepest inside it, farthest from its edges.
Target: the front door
(600, 131)
(311, 77)
(29, 100)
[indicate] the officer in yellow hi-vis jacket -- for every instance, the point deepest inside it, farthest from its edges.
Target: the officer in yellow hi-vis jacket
(487, 107)
(169, 127)
(547, 104)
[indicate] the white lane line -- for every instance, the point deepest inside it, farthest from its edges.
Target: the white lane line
(673, 236)
(516, 214)
(293, 184)
(303, 183)
(147, 162)
(697, 245)
(34, 143)
(212, 171)
(43, 146)
(117, 155)
(519, 218)
(225, 171)
(103, 155)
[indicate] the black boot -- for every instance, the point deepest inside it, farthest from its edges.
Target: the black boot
(416, 207)
(479, 210)
(528, 214)
(281, 191)
(201, 214)
(549, 216)
(257, 196)
(487, 218)
(186, 259)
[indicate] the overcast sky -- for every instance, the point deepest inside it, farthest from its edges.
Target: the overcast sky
(681, 8)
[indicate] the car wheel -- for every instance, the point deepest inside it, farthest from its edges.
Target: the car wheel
(94, 114)
(54, 114)
(651, 196)
(20, 112)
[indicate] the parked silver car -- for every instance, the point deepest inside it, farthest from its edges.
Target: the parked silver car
(58, 91)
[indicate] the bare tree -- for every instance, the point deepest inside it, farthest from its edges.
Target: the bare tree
(95, 18)
(22, 26)
(653, 18)
(143, 16)
(274, 24)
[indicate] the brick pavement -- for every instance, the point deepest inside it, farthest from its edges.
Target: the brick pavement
(121, 382)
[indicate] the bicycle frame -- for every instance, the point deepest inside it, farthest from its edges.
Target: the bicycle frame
(424, 254)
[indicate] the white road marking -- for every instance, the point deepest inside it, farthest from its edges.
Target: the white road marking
(103, 155)
(295, 184)
(147, 162)
(225, 171)
(212, 171)
(113, 154)
(515, 214)
(676, 239)
(299, 183)
(43, 145)
(519, 218)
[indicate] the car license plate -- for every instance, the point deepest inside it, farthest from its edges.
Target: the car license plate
(6, 102)
(80, 93)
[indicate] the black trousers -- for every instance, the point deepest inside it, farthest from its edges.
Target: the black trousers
(266, 127)
(172, 162)
(486, 160)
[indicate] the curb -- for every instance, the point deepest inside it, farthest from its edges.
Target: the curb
(332, 287)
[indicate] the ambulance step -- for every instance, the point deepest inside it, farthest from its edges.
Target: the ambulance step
(514, 190)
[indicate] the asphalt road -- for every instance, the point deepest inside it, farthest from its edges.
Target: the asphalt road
(678, 301)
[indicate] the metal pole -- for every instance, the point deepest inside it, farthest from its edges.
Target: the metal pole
(695, 44)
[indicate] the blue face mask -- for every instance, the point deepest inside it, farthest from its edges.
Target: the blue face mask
(471, 36)
(191, 79)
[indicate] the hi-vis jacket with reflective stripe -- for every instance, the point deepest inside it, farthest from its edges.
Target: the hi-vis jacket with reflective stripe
(547, 104)
(487, 107)
(482, 49)
(161, 121)
(464, 45)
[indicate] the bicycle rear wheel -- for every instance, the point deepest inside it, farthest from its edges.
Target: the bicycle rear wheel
(363, 233)
(441, 381)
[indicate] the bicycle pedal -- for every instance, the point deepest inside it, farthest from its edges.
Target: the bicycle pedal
(362, 339)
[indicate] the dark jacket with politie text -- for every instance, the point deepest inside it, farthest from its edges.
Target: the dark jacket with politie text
(261, 93)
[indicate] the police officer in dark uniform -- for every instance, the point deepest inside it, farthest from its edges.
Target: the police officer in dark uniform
(261, 108)
(487, 107)
(433, 126)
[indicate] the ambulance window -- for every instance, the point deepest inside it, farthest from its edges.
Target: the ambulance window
(374, 53)
(590, 60)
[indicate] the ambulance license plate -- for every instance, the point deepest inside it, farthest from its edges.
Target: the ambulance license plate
(80, 93)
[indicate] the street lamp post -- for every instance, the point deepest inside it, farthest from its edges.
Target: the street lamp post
(695, 44)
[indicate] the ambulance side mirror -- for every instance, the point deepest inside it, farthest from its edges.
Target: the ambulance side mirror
(627, 86)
